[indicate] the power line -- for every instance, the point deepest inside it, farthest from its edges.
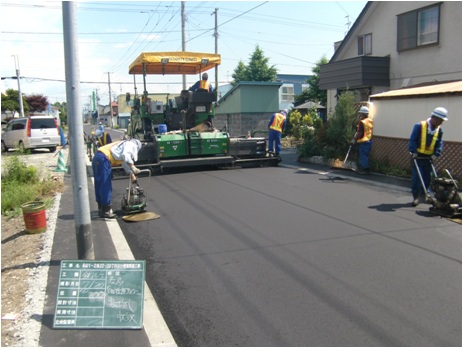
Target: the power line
(240, 15)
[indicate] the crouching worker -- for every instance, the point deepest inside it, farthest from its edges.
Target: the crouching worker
(119, 153)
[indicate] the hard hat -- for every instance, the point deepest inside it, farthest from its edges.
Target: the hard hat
(99, 133)
(101, 123)
(364, 110)
(285, 111)
(441, 113)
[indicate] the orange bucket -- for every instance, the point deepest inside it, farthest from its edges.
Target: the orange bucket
(34, 217)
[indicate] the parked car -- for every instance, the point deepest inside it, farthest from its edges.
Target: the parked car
(34, 132)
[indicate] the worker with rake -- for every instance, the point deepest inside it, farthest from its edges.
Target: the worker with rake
(363, 138)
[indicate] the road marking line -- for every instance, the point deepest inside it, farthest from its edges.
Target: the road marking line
(155, 326)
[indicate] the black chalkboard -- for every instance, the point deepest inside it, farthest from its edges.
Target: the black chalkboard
(100, 294)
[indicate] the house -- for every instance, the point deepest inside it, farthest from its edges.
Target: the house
(291, 85)
(304, 109)
(395, 45)
(392, 130)
(398, 48)
(248, 106)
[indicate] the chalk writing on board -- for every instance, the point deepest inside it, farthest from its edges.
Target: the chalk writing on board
(100, 294)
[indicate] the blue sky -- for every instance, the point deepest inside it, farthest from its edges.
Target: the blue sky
(294, 35)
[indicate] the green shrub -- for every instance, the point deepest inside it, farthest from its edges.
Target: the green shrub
(16, 170)
(21, 184)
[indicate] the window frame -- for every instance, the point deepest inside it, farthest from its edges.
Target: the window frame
(284, 96)
(366, 48)
(414, 41)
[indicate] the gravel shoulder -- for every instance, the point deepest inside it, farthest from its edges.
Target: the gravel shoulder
(25, 261)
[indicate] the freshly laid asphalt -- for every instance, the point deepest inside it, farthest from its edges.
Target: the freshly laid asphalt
(105, 248)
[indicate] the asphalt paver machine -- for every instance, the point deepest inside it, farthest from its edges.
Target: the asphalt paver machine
(179, 131)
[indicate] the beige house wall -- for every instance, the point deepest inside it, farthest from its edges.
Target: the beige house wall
(396, 117)
(422, 65)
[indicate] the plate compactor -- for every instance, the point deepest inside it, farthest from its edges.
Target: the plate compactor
(447, 199)
(134, 201)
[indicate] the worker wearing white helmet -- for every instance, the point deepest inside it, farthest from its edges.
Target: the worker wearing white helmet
(363, 138)
(102, 138)
(425, 146)
(121, 153)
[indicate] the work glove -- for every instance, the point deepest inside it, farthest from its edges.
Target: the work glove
(135, 170)
(414, 155)
(133, 177)
(433, 158)
(353, 141)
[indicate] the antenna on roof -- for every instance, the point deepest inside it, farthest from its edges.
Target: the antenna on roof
(348, 23)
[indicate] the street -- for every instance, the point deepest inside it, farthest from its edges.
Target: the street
(291, 257)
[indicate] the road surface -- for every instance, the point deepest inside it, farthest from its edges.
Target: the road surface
(291, 257)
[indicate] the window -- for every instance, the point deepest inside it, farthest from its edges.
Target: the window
(41, 123)
(287, 93)
(418, 28)
(364, 44)
(18, 126)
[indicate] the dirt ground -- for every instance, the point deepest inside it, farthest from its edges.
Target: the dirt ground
(21, 252)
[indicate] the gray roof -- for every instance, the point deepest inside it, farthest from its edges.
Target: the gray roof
(309, 105)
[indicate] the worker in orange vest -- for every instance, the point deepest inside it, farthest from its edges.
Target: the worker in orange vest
(363, 138)
(276, 127)
(202, 84)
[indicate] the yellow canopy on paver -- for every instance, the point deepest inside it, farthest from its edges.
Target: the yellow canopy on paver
(173, 63)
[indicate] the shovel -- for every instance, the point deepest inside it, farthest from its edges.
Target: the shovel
(343, 167)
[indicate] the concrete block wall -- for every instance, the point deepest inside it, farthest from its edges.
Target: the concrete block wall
(240, 124)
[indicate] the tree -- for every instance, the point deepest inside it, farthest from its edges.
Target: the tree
(10, 101)
(257, 69)
(239, 73)
(37, 103)
(331, 139)
(313, 93)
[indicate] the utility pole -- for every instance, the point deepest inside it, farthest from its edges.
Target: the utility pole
(83, 223)
(20, 96)
(183, 38)
(110, 102)
(216, 35)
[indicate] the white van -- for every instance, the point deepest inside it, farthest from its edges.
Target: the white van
(34, 132)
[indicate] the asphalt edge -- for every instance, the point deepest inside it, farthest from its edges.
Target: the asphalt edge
(154, 324)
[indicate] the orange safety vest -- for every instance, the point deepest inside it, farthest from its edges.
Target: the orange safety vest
(423, 149)
(107, 151)
(278, 122)
(203, 84)
(367, 130)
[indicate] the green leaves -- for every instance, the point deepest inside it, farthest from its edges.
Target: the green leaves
(257, 69)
